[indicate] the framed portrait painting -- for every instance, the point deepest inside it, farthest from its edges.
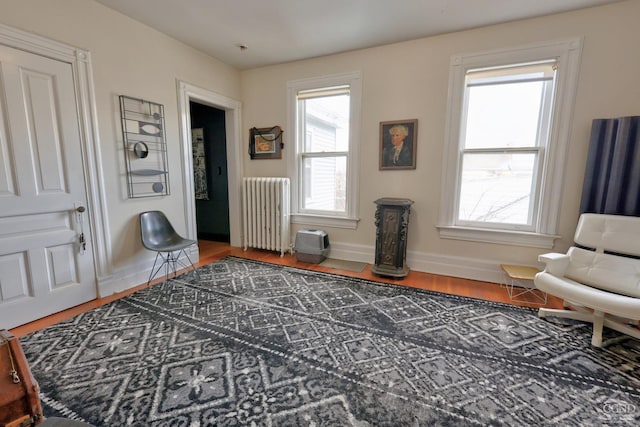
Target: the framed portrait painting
(398, 144)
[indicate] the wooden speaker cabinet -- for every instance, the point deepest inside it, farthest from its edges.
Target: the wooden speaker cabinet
(392, 223)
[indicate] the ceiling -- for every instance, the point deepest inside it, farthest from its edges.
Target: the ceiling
(277, 31)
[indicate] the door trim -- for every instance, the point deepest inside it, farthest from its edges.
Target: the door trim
(80, 61)
(232, 109)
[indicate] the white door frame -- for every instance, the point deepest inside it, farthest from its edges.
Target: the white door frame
(232, 109)
(80, 60)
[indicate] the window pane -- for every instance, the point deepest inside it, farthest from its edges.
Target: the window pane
(326, 124)
(504, 115)
(497, 188)
(325, 183)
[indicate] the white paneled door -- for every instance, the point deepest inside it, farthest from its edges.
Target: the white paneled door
(46, 260)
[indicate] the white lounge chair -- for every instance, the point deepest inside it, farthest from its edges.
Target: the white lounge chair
(599, 278)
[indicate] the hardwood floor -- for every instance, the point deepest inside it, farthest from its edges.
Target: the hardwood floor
(212, 251)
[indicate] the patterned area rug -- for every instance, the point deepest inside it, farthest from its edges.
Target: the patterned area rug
(258, 344)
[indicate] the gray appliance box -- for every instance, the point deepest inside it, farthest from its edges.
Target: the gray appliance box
(311, 246)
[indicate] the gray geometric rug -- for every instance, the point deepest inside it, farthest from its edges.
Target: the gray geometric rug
(258, 344)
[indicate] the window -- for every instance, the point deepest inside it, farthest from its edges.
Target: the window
(508, 128)
(324, 157)
(505, 127)
(323, 123)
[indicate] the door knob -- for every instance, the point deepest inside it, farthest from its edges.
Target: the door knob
(80, 209)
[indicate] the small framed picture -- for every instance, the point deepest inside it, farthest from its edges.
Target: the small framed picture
(398, 144)
(265, 143)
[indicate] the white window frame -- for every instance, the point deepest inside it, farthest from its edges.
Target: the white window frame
(538, 149)
(567, 54)
(298, 216)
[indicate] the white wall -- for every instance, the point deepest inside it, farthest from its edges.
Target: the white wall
(128, 59)
(401, 81)
(410, 80)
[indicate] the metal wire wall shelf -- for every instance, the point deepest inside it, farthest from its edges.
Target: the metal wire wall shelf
(145, 147)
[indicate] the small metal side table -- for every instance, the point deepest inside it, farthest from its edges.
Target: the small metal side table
(519, 282)
(392, 223)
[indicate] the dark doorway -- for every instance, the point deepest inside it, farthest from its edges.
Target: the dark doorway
(208, 139)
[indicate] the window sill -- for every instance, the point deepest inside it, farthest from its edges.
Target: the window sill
(325, 221)
(514, 238)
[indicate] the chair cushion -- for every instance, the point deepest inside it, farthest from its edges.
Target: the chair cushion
(604, 271)
(613, 233)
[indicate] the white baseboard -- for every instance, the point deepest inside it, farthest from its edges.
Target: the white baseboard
(349, 252)
(121, 280)
(135, 275)
(446, 265)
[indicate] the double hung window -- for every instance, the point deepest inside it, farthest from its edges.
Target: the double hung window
(323, 126)
(505, 130)
(508, 129)
(324, 158)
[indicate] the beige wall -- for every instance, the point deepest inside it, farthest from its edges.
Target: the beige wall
(410, 80)
(400, 81)
(128, 59)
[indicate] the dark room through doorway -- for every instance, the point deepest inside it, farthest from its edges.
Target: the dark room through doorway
(209, 145)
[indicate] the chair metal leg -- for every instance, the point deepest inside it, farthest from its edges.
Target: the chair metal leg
(598, 319)
(567, 314)
(170, 262)
(195, 270)
(153, 273)
(177, 260)
(598, 323)
(167, 261)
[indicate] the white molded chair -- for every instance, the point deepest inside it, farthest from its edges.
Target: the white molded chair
(599, 280)
(159, 235)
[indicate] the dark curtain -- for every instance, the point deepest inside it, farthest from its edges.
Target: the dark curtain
(612, 176)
